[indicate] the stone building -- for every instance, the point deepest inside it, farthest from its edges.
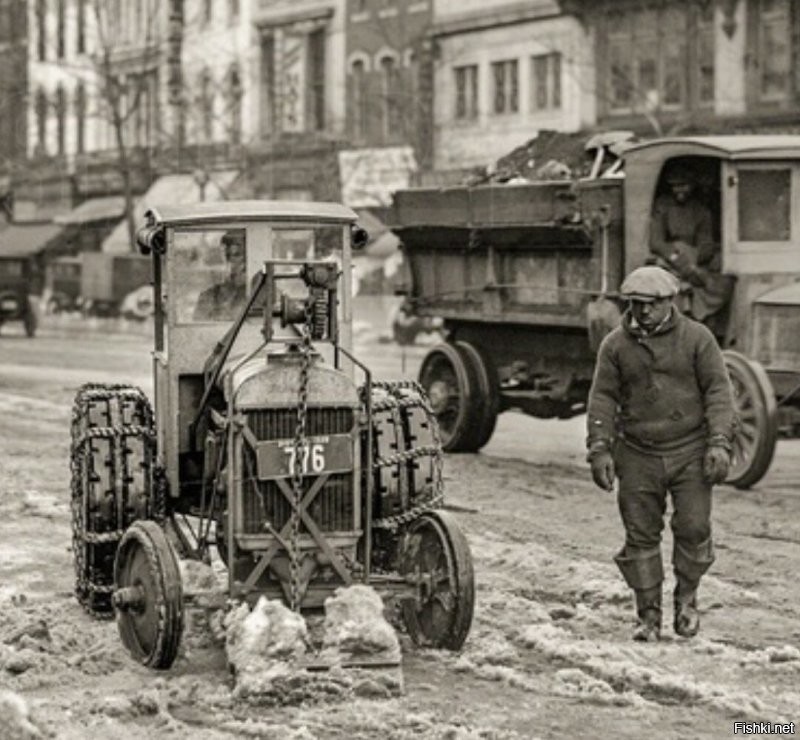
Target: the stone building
(503, 71)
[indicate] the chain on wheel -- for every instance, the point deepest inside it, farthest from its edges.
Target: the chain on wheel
(111, 462)
(405, 396)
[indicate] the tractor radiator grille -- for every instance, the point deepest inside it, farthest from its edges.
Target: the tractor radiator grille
(332, 509)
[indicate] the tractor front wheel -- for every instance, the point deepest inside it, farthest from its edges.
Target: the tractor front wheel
(435, 558)
(148, 595)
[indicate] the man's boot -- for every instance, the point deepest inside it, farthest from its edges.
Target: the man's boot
(690, 562)
(648, 611)
(643, 572)
(686, 618)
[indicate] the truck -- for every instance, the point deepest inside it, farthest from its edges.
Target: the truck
(107, 278)
(525, 278)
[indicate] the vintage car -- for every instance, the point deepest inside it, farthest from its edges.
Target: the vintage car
(17, 273)
(63, 284)
(525, 277)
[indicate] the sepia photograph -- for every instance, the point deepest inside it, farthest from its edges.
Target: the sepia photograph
(399, 369)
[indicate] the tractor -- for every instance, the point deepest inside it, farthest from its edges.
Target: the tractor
(269, 440)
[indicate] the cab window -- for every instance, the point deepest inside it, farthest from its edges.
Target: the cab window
(10, 268)
(765, 205)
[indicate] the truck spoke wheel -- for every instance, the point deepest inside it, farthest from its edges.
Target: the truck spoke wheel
(487, 391)
(451, 387)
(148, 599)
(756, 429)
(436, 558)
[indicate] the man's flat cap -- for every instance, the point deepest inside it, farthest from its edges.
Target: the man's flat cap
(648, 283)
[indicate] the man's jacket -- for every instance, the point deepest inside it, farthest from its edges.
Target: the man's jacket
(660, 391)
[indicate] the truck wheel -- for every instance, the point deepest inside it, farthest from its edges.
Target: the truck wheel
(435, 556)
(453, 391)
(148, 599)
(112, 458)
(488, 391)
(756, 428)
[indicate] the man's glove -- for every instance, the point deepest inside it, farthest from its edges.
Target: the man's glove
(603, 469)
(716, 464)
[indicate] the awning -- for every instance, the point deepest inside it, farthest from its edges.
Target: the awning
(24, 240)
(169, 189)
(108, 208)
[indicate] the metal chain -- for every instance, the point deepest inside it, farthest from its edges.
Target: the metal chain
(405, 394)
(300, 443)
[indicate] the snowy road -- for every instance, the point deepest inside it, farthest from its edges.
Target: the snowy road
(548, 655)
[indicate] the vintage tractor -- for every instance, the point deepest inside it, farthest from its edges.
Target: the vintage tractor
(260, 442)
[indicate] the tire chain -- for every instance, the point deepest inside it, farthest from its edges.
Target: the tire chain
(88, 393)
(299, 443)
(410, 394)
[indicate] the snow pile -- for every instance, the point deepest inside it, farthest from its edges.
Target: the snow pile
(356, 629)
(204, 601)
(263, 647)
(577, 684)
(15, 718)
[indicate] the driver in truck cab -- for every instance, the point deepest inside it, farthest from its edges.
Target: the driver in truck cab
(222, 301)
(682, 241)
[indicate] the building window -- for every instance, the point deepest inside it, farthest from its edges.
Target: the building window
(206, 105)
(61, 119)
(234, 91)
(41, 121)
(647, 64)
(546, 81)
(466, 79)
(80, 119)
(358, 100)
(267, 101)
(390, 98)
(41, 30)
(208, 10)
(774, 49)
(506, 86)
(316, 78)
(233, 10)
(60, 28)
(81, 22)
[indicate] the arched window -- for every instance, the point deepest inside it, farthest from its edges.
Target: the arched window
(80, 118)
(358, 99)
(390, 97)
(41, 121)
(61, 22)
(61, 119)
(234, 94)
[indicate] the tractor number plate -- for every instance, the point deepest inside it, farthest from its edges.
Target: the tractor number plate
(329, 453)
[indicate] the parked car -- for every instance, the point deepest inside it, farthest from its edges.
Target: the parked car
(16, 278)
(63, 285)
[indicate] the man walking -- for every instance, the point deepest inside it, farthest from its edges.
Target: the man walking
(660, 419)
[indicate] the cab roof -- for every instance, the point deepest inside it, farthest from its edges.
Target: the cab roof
(253, 210)
(743, 146)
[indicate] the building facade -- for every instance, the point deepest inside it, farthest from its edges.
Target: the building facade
(503, 71)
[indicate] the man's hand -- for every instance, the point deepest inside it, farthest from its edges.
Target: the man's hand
(682, 259)
(603, 470)
(716, 464)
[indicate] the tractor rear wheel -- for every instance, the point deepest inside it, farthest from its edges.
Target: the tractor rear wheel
(436, 558)
(149, 595)
(756, 430)
(112, 458)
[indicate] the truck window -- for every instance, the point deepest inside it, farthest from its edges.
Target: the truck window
(764, 205)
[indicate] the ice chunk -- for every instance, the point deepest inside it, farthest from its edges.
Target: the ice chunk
(355, 627)
(15, 718)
